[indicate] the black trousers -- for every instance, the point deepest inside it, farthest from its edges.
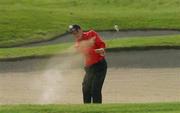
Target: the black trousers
(93, 82)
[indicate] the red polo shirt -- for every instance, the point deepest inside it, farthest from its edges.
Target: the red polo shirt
(91, 57)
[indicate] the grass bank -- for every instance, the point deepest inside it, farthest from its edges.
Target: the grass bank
(122, 43)
(24, 21)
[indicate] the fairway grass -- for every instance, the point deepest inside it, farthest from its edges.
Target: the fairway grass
(105, 108)
(142, 42)
(25, 21)
(121, 43)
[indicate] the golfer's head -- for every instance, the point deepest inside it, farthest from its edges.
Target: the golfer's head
(75, 30)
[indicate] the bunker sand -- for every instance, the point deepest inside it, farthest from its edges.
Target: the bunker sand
(133, 77)
(121, 86)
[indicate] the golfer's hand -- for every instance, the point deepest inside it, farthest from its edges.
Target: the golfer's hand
(87, 43)
(91, 42)
(100, 51)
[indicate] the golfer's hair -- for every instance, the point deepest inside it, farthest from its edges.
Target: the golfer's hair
(74, 27)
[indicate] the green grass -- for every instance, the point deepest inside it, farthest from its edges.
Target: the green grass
(24, 21)
(142, 42)
(170, 41)
(34, 51)
(106, 108)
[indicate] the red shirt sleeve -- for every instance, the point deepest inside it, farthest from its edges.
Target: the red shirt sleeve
(98, 40)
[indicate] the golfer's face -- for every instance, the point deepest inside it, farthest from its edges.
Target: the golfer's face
(77, 33)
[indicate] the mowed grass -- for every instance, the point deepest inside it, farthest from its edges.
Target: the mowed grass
(24, 21)
(143, 42)
(106, 108)
(123, 43)
(34, 51)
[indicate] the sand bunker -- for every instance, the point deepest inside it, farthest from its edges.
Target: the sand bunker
(121, 86)
(133, 76)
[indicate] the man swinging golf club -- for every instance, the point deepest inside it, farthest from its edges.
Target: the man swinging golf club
(91, 45)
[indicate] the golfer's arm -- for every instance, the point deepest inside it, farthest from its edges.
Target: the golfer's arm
(101, 46)
(77, 48)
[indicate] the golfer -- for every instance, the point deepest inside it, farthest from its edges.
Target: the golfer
(91, 45)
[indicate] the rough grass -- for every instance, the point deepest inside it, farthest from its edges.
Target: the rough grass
(24, 21)
(106, 108)
(142, 42)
